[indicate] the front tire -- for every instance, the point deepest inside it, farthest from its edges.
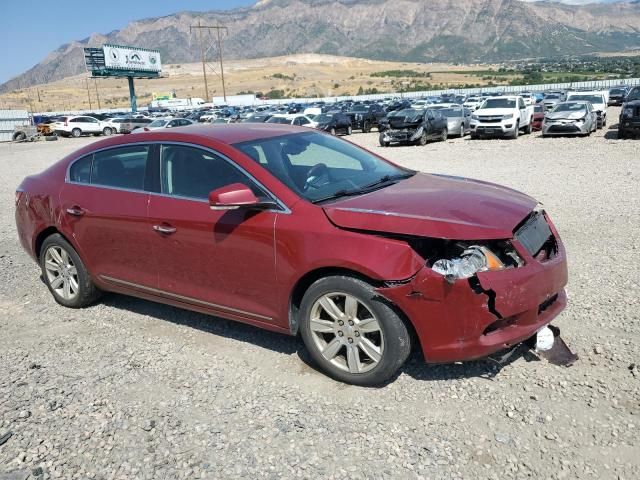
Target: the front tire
(65, 275)
(349, 130)
(366, 127)
(107, 131)
(528, 129)
(351, 334)
(422, 141)
(444, 135)
(516, 132)
(332, 131)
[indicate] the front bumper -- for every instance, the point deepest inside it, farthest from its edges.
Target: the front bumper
(404, 135)
(484, 129)
(566, 127)
(462, 321)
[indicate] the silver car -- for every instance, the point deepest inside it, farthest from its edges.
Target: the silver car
(458, 118)
(570, 118)
(550, 101)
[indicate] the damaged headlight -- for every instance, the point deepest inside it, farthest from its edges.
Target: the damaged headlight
(417, 134)
(473, 260)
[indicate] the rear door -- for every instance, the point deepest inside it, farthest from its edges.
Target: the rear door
(104, 206)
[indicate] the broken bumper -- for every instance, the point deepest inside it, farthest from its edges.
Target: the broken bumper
(471, 319)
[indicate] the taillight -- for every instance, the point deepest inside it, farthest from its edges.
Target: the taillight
(18, 196)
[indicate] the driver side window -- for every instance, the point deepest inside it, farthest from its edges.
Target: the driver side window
(193, 173)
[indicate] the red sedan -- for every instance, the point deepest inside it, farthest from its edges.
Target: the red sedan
(298, 232)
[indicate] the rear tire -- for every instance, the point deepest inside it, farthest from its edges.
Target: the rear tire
(380, 341)
(366, 127)
(76, 132)
(107, 131)
(65, 274)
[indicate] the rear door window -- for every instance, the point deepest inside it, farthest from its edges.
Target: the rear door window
(122, 167)
(80, 171)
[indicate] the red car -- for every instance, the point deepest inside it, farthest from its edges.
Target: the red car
(538, 117)
(296, 231)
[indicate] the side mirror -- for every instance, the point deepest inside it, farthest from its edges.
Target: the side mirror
(234, 196)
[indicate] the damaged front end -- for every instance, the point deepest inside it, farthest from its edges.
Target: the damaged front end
(472, 299)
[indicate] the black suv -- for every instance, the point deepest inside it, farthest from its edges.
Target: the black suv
(630, 114)
(334, 123)
(413, 126)
(364, 117)
(616, 95)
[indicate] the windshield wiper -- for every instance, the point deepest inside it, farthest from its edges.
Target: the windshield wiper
(365, 189)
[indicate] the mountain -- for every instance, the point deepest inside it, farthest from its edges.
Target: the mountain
(411, 30)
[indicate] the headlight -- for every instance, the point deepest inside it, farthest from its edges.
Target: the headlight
(473, 260)
(507, 117)
(475, 117)
(627, 112)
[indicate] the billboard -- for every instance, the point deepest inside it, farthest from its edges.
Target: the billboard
(118, 57)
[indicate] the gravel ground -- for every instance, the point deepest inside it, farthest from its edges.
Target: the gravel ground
(130, 389)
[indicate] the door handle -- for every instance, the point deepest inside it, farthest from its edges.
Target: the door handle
(75, 211)
(164, 229)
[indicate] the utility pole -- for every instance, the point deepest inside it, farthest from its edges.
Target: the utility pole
(203, 53)
(86, 81)
(95, 83)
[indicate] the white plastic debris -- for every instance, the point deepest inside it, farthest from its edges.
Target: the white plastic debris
(544, 339)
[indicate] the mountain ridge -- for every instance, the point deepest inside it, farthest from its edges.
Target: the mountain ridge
(410, 30)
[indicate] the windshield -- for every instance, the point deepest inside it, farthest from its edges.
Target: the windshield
(321, 167)
(587, 98)
(498, 103)
(451, 112)
(617, 91)
(158, 123)
(537, 108)
(570, 107)
(360, 108)
(551, 97)
(282, 120)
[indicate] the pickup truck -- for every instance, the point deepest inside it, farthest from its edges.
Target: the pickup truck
(501, 117)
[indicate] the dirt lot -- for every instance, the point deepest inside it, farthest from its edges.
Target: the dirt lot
(130, 389)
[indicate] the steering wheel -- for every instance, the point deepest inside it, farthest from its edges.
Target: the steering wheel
(317, 176)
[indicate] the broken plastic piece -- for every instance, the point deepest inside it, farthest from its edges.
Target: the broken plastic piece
(544, 340)
(559, 354)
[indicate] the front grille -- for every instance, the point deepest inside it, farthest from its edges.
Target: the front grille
(566, 128)
(490, 119)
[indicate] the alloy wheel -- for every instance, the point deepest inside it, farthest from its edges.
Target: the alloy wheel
(61, 273)
(346, 332)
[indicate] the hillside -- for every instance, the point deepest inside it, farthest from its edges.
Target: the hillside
(399, 30)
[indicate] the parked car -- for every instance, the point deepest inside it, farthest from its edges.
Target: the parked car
(129, 124)
(334, 123)
(258, 118)
(472, 103)
(501, 117)
(538, 117)
(629, 123)
(162, 123)
(298, 232)
(617, 95)
(75, 126)
(458, 118)
(293, 119)
(550, 101)
(570, 118)
(597, 99)
(364, 117)
(413, 126)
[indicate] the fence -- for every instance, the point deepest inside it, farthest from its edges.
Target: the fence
(8, 120)
(592, 85)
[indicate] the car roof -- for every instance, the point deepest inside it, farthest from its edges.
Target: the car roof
(230, 133)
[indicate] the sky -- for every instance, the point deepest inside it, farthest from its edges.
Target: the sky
(29, 29)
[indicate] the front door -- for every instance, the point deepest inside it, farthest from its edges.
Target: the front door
(104, 209)
(222, 260)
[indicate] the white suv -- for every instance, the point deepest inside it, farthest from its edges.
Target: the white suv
(76, 126)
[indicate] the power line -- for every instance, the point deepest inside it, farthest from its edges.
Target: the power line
(209, 28)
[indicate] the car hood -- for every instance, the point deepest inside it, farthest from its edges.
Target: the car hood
(435, 206)
(565, 115)
(494, 112)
